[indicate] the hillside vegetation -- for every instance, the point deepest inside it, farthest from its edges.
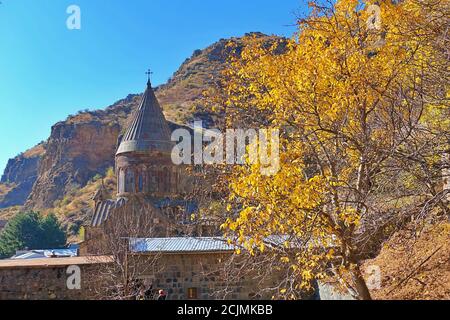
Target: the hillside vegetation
(415, 264)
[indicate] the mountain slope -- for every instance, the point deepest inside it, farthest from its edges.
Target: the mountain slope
(82, 147)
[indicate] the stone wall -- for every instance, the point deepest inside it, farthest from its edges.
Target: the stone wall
(46, 278)
(37, 284)
(183, 275)
(201, 273)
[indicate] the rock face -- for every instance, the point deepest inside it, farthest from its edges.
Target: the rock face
(74, 154)
(20, 175)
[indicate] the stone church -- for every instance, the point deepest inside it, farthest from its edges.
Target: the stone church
(149, 185)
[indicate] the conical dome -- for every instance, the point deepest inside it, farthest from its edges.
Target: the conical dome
(149, 130)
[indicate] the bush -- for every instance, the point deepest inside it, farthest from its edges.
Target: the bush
(97, 177)
(31, 231)
(110, 172)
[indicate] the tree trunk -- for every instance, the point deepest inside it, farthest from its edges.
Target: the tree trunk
(360, 285)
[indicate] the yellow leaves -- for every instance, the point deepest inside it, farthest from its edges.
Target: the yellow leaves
(261, 247)
(307, 275)
(330, 254)
(350, 217)
(233, 226)
(285, 259)
(437, 117)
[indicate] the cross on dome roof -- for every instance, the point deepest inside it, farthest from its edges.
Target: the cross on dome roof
(149, 130)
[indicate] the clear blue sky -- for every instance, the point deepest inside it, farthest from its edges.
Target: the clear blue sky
(48, 71)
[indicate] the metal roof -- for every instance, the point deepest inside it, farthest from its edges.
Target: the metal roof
(103, 209)
(180, 244)
(53, 262)
(149, 130)
(36, 254)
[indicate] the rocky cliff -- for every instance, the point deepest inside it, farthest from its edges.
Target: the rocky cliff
(74, 154)
(19, 177)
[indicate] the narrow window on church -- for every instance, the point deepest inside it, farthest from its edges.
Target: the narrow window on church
(129, 181)
(192, 293)
(168, 180)
(159, 181)
(140, 183)
(151, 181)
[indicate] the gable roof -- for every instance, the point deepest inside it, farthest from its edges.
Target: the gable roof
(180, 245)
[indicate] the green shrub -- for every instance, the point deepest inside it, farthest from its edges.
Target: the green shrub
(30, 230)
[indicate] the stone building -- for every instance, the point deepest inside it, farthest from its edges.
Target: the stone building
(193, 268)
(45, 278)
(149, 185)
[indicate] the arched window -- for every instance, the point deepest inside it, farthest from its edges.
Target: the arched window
(140, 182)
(144, 174)
(129, 181)
(151, 180)
(159, 180)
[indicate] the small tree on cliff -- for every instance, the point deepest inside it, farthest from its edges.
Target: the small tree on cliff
(29, 230)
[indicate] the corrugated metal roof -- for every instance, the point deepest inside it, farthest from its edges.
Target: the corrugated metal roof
(102, 210)
(180, 244)
(36, 254)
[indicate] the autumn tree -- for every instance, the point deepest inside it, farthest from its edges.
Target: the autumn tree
(361, 98)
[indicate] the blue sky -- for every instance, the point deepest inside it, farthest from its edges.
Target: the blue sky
(48, 71)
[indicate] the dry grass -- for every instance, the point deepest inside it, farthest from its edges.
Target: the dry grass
(5, 188)
(35, 151)
(8, 213)
(415, 265)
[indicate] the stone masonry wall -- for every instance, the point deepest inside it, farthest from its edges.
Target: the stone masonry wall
(43, 283)
(177, 273)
